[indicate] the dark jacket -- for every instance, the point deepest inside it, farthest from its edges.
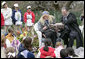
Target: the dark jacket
(71, 24)
(25, 51)
(13, 16)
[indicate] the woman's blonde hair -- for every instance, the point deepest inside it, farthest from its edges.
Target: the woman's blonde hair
(50, 18)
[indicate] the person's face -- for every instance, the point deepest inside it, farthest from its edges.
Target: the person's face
(45, 17)
(64, 12)
(16, 8)
(5, 6)
(29, 9)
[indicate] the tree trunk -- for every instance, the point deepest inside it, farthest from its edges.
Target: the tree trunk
(67, 4)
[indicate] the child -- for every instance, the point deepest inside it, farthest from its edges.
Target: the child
(25, 49)
(10, 52)
(71, 52)
(3, 54)
(9, 36)
(64, 53)
(80, 52)
(58, 49)
(15, 43)
(47, 50)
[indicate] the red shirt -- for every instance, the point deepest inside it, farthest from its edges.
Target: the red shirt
(49, 53)
(2, 20)
(33, 16)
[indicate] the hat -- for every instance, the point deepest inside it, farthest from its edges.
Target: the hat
(16, 5)
(3, 3)
(28, 7)
(45, 12)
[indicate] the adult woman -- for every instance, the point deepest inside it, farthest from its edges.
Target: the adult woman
(42, 28)
(7, 13)
(17, 15)
(29, 17)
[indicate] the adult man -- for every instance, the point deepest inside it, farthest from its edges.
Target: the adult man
(71, 29)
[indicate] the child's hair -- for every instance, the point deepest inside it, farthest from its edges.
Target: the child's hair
(10, 30)
(58, 43)
(27, 42)
(63, 53)
(71, 52)
(9, 52)
(2, 40)
(47, 43)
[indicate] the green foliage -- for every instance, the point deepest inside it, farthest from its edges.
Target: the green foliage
(55, 13)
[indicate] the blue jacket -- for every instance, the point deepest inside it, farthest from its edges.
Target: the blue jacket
(13, 16)
(25, 51)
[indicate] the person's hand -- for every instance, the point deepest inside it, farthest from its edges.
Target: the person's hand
(44, 35)
(45, 27)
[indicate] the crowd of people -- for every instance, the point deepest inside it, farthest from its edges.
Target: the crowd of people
(16, 43)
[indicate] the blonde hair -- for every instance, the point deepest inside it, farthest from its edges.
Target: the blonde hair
(50, 18)
(58, 43)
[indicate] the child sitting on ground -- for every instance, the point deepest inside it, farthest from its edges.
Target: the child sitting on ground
(47, 50)
(10, 52)
(9, 37)
(25, 49)
(58, 48)
(71, 53)
(64, 53)
(3, 54)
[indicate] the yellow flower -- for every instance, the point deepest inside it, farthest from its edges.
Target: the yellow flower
(21, 35)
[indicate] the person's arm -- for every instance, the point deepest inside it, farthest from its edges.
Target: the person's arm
(2, 19)
(40, 26)
(61, 19)
(25, 18)
(13, 16)
(33, 17)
